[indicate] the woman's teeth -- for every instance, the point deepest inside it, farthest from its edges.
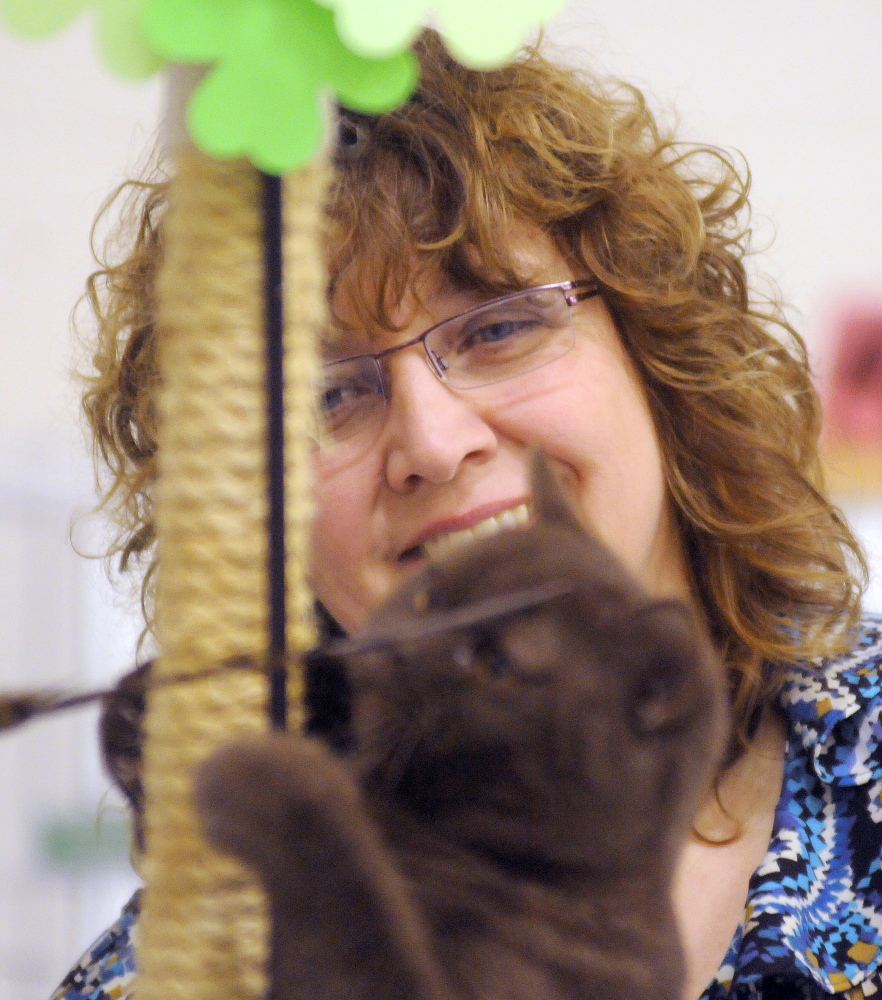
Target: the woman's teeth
(438, 547)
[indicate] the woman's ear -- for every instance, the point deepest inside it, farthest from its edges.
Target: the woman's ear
(550, 505)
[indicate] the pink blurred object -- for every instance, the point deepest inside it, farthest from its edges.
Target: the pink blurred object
(853, 396)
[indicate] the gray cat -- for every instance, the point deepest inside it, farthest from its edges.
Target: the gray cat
(493, 787)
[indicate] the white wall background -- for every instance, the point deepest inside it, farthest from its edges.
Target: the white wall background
(68, 135)
(794, 85)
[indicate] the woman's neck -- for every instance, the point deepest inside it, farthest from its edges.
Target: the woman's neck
(733, 828)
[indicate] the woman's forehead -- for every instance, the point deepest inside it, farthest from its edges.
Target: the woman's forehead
(359, 324)
(367, 309)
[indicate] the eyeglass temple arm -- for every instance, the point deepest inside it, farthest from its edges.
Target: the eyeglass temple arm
(580, 290)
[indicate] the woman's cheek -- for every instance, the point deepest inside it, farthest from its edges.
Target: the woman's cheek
(345, 576)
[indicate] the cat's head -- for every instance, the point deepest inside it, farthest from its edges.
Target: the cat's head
(527, 697)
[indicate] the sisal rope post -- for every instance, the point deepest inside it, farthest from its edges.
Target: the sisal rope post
(203, 930)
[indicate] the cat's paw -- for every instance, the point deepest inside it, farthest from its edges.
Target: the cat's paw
(235, 796)
(259, 797)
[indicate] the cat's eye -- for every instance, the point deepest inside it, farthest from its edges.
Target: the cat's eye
(429, 598)
(500, 663)
(496, 660)
(662, 697)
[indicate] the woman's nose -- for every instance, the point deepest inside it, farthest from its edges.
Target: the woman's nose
(431, 431)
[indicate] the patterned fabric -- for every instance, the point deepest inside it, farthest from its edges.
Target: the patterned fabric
(813, 922)
(107, 970)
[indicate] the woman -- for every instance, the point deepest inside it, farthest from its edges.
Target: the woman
(677, 411)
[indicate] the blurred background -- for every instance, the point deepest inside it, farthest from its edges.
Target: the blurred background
(795, 86)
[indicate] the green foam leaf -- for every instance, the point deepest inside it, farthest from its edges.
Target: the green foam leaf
(375, 86)
(272, 62)
(120, 36)
(37, 18)
(121, 39)
(483, 34)
(192, 31)
(488, 34)
(377, 30)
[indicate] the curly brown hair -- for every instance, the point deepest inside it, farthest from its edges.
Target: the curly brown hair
(119, 401)
(663, 229)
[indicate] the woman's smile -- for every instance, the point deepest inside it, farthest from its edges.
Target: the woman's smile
(442, 537)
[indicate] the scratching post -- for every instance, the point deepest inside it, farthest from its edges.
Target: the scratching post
(203, 928)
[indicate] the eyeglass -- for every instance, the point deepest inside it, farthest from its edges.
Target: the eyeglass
(490, 343)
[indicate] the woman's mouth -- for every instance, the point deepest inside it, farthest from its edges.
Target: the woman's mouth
(440, 545)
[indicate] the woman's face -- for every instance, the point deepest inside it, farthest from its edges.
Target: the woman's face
(447, 461)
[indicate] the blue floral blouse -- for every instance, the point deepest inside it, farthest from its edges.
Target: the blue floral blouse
(107, 970)
(813, 921)
(812, 924)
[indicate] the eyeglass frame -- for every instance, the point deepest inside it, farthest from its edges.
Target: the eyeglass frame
(589, 288)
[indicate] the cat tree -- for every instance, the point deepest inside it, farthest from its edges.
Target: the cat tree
(241, 300)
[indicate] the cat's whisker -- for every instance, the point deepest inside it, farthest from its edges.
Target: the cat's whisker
(441, 621)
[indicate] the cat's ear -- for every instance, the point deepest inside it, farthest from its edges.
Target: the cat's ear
(675, 666)
(550, 504)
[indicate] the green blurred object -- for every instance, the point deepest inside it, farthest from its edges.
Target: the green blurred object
(483, 34)
(121, 39)
(118, 29)
(84, 841)
(273, 60)
(38, 18)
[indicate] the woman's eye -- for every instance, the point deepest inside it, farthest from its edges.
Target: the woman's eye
(335, 396)
(497, 332)
(337, 403)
